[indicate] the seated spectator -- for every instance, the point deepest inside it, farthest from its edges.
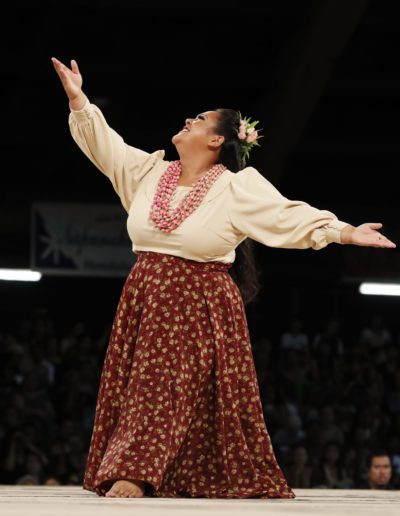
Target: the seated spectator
(312, 438)
(27, 480)
(286, 437)
(350, 467)
(34, 466)
(329, 428)
(331, 337)
(330, 473)
(298, 471)
(74, 479)
(379, 472)
(294, 337)
(375, 337)
(296, 375)
(51, 481)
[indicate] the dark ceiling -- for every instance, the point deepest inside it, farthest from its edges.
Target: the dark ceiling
(322, 77)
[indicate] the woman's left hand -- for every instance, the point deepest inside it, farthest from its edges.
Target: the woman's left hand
(366, 235)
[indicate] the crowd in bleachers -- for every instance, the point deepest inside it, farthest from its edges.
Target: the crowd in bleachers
(48, 386)
(332, 402)
(331, 405)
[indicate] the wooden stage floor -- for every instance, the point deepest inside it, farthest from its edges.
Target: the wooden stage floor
(73, 500)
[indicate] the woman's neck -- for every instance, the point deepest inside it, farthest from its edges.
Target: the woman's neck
(194, 167)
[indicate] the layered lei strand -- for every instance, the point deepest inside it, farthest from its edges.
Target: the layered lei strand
(161, 214)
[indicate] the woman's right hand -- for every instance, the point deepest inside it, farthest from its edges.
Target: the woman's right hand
(71, 80)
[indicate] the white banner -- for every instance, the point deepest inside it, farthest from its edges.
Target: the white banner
(80, 239)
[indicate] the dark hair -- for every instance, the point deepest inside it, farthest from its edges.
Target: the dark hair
(244, 269)
(377, 453)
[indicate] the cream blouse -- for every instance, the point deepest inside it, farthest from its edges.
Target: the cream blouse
(237, 206)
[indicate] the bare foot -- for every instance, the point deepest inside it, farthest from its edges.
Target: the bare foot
(126, 489)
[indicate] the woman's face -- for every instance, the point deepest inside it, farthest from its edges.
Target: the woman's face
(198, 133)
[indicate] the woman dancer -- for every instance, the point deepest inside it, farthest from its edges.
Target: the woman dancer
(178, 411)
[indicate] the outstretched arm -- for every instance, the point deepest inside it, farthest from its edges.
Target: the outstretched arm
(259, 211)
(123, 164)
(365, 235)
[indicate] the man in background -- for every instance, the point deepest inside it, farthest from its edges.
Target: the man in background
(379, 472)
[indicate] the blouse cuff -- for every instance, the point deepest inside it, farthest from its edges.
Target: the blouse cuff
(83, 114)
(333, 231)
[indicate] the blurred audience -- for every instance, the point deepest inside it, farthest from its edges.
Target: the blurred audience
(48, 388)
(330, 398)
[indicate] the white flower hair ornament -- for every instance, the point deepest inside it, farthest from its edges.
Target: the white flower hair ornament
(248, 136)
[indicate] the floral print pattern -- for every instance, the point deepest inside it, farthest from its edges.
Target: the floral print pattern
(178, 403)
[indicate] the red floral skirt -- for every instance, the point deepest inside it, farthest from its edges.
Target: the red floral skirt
(178, 403)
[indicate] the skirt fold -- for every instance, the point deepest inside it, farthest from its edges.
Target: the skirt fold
(178, 403)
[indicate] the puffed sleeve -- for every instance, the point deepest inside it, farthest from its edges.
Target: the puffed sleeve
(258, 210)
(123, 164)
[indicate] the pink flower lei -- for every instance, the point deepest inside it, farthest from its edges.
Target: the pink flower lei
(160, 212)
(248, 136)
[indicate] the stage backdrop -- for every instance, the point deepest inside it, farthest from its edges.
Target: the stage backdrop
(80, 239)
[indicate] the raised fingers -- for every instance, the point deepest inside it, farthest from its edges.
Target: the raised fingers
(59, 67)
(74, 66)
(57, 64)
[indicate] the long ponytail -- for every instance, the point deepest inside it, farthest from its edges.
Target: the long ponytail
(244, 270)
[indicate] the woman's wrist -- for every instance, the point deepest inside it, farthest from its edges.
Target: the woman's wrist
(77, 102)
(346, 234)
